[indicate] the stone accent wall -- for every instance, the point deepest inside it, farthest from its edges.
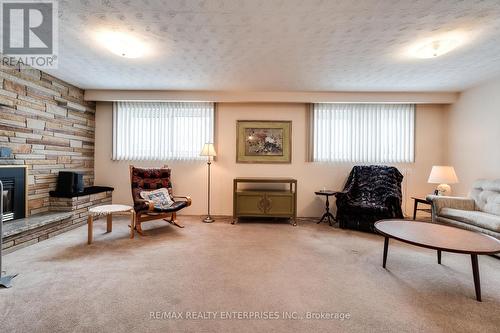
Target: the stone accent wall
(49, 128)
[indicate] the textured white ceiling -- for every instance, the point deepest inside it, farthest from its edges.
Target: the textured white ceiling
(308, 45)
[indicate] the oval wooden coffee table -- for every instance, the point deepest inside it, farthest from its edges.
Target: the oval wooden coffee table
(441, 238)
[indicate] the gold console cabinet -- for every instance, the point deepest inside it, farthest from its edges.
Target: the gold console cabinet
(263, 202)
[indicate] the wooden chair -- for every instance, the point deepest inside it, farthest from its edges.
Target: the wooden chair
(149, 179)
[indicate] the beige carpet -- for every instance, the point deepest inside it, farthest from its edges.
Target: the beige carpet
(259, 268)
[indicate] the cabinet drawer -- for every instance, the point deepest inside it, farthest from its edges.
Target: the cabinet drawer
(250, 204)
(279, 204)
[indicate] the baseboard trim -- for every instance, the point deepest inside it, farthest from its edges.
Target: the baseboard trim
(230, 217)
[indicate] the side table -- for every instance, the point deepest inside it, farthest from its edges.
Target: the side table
(327, 215)
(420, 201)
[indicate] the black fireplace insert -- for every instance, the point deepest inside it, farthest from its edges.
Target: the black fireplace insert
(14, 192)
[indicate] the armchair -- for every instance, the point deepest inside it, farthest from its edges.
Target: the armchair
(149, 179)
(371, 193)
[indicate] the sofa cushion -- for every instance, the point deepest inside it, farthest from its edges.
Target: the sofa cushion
(486, 194)
(478, 218)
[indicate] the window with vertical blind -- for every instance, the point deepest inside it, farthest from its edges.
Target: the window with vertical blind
(161, 130)
(363, 133)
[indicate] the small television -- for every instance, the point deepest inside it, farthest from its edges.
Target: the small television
(69, 182)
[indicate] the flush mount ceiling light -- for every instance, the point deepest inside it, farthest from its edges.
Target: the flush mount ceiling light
(435, 47)
(122, 44)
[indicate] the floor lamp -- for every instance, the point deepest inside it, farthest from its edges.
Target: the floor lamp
(4, 280)
(208, 151)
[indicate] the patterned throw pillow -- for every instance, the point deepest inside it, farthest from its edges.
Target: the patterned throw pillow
(160, 197)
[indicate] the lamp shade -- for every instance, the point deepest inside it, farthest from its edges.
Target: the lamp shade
(441, 174)
(208, 150)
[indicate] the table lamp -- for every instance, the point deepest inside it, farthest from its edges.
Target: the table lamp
(442, 175)
(209, 151)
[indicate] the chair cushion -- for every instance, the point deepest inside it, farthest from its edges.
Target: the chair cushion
(478, 218)
(149, 179)
(160, 197)
(177, 205)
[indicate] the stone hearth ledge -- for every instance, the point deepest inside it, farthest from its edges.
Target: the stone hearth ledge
(65, 214)
(18, 226)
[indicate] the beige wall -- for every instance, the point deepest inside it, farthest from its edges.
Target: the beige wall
(474, 135)
(190, 177)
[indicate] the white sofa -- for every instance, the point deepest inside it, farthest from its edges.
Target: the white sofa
(478, 212)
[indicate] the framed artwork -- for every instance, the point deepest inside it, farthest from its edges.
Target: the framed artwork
(263, 141)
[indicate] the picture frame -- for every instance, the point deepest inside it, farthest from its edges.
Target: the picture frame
(263, 141)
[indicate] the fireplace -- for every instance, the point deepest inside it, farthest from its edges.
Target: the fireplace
(14, 192)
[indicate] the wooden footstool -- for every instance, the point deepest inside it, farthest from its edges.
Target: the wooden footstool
(109, 211)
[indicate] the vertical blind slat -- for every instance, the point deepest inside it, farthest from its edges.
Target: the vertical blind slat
(161, 130)
(365, 133)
